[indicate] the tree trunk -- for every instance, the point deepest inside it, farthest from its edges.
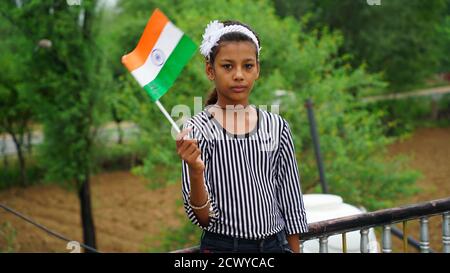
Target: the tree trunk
(119, 133)
(5, 161)
(3, 152)
(23, 174)
(29, 142)
(20, 155)
(118, 120)
(86, 215)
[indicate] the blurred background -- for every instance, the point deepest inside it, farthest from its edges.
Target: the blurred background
(85, 152)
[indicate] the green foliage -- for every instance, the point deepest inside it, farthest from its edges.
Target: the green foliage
(79, 83)
(171, 238)
(17, 102)
(308, 65)
(108, 157)
(351, 138)
(443, 32)
(67, 81)
(7, 238)
(402, 117)
(444, 111)
(10, 175)
(406, 39)
(66, 75)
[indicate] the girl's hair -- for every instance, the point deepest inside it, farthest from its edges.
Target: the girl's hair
(228, 37)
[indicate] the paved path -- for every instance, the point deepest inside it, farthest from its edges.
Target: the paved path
(106, 133)
(437, 92)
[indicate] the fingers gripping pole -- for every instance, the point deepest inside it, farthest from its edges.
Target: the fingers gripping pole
(161, 107)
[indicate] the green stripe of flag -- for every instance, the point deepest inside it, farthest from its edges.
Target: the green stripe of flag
(171, 69)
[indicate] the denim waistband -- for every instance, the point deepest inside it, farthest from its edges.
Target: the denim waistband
(280, 236)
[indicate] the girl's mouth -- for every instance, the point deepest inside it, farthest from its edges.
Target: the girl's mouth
(238, 89)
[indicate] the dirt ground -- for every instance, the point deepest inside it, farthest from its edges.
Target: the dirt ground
(127, 213)
(429, 150)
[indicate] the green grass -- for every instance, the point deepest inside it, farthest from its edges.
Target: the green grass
(7, 238)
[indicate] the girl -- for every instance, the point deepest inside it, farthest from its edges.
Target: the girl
(240, 176)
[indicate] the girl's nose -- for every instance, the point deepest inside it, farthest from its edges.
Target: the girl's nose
(238, 75)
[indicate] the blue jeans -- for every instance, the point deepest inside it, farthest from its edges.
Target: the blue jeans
(218, 243)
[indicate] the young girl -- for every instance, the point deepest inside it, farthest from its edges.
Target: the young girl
(240, 177)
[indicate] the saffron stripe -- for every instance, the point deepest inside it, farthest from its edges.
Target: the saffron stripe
(152, 31)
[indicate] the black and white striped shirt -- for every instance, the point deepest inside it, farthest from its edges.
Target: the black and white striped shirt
(252, 179)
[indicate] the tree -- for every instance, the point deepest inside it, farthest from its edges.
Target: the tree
(400, 38)
(16, 100)
(67, 79)
(444, 41)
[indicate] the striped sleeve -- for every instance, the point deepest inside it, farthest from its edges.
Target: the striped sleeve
(289, 192)
(213, 211)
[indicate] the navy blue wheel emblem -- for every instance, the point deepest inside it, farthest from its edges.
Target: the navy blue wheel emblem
(157, 57)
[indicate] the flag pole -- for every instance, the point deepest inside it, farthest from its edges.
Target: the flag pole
(161, 107)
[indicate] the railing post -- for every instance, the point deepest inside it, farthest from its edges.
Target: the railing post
(313, 130)
(424, 241)
(405, 236)
(323, 241)
(446, 232)
(364, 243)
(387, 242)
(344, 242)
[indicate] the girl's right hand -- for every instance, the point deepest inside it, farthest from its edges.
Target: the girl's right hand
(189, 151)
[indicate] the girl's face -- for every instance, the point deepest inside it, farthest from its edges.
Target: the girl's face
(234, 71)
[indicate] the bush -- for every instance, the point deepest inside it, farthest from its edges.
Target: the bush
(172, 238)
(111, 156)
(402, 117)
(10, 175)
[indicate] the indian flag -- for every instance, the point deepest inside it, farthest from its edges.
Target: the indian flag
(162, 52)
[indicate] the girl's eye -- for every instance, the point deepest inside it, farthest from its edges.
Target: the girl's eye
(249, 66)
(227, 66)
